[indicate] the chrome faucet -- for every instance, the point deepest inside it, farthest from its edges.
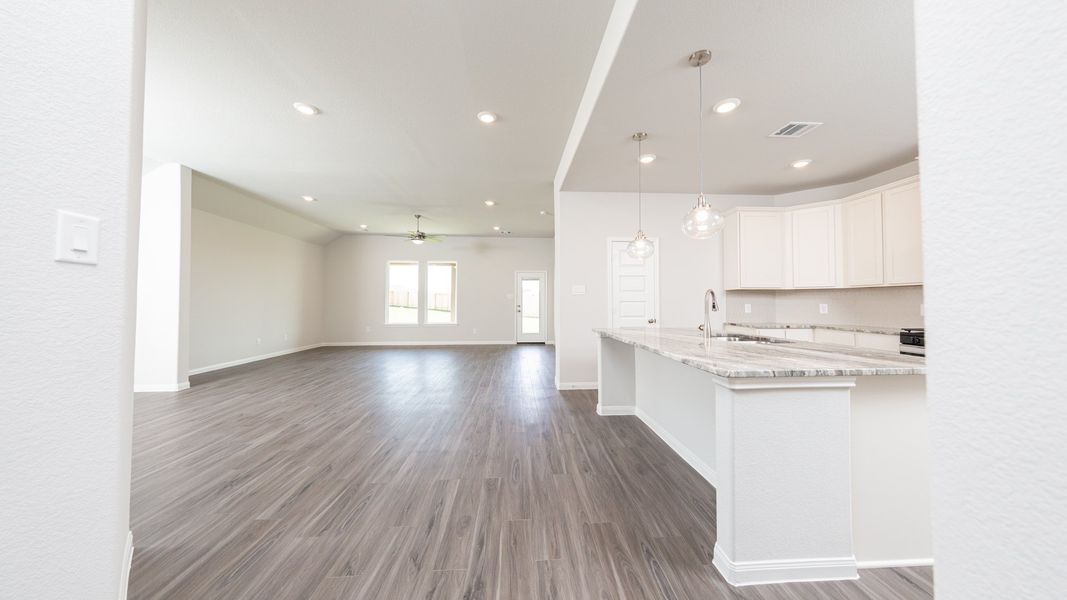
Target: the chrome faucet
(710, 304)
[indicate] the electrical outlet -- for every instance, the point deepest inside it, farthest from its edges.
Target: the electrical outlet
(285, 336)
(366, 328)
(259, 341)
(748, 308)
(474, 330)
(824, 309)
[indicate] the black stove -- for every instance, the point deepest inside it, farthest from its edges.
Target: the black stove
(913, 341)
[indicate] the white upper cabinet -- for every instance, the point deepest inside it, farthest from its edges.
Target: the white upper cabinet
(902, 228)
(862, 219)
(761, 247)
(870, 239)
(815, 247)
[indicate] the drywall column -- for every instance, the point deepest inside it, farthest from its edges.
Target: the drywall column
(70, 121)
(162, 363)
(783, 499)
(993, 244)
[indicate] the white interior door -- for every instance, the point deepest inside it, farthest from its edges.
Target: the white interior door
(634, 288)
(531, 310)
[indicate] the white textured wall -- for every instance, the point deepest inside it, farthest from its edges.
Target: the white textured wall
(356, 280)
(584, 222)
(253, 292)
(70, 121)
(992, 81)
(162, 344)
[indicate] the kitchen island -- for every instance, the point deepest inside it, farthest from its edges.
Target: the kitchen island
(817, 453)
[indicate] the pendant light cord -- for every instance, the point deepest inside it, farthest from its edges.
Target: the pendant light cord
(639, 228)
(700, 118)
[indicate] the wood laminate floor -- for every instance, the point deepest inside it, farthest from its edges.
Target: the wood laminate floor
(395, 473)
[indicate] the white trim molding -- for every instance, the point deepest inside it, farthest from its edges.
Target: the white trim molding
(614, 411)
(577, 385)
(127, 563)
(706, 471)
(160, 387)
(894, 564)
(423, 343)
(783, 571)
(250, 359)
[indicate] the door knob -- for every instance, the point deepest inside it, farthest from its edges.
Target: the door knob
(651, 321)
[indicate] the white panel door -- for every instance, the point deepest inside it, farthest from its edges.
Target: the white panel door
(531, 309)
(902, 228)
(863, 240)
(815, 247)
(762, 249)
(633, 288)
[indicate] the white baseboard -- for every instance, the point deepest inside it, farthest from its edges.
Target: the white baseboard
(443, 343)
(251, 359)
(614, 411)
(706, 471)
(127, 563)
(784, 571)
(893, 564)
(576, 385)
(160, 387)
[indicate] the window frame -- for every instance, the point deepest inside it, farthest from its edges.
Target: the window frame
(455, 294)
(418, 292)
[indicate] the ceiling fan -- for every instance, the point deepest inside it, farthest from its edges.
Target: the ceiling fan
(418, 236)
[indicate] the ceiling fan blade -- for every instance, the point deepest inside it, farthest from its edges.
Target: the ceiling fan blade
(433, 238)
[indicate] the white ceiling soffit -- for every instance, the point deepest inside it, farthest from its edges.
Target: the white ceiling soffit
(849, 65)
(399, 84)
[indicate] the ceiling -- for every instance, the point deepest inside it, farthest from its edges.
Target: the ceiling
(399, 83)
(849, 65)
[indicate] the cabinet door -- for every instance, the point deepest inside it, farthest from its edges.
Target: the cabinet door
(762, 249)
(833, 336)
(878, 341)
(731, 259)
(772, 333)
(902, 230)
(800, 335)
(863, 240)
(814, 247)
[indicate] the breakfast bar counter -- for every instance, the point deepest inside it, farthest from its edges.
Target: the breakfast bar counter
(817, 453)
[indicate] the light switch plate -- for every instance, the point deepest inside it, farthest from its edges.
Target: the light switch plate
(77, 238)
(748, 308)
(824, 309)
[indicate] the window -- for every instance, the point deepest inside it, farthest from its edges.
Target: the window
(441, 292)
(403, 300)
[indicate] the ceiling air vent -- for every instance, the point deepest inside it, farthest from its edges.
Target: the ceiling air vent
(794, 129)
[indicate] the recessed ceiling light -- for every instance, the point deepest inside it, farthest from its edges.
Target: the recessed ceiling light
(309, 199)
(306, 109)
(646, 158)
(800, 164)
(728, 105)
(487, 117)
(362, 226)
(496, 227)
(490, 202)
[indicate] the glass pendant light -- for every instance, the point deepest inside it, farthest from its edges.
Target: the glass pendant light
(640, 247)
(703, 221)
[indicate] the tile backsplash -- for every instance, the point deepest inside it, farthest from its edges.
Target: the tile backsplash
(882, 307)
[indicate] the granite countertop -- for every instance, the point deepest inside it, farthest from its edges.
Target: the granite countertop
(855, 328)
(788, 359)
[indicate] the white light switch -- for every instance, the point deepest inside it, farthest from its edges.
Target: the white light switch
(824, 309)
(77, 238)
(577, 290)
